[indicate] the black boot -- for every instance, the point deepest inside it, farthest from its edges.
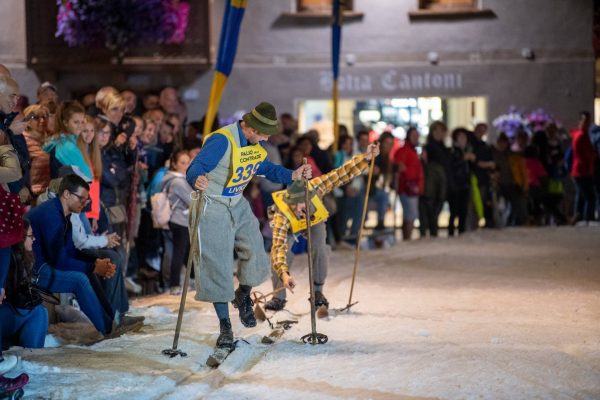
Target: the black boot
(320, 300)
(244, 304)
(225, 339)
(275, 304)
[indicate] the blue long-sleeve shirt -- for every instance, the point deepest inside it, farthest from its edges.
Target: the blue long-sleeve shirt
(212, 152)
(53, 239)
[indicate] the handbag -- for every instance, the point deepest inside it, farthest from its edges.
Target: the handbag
(26, 296)
(11, 218)
(116, 214)
(21, 292)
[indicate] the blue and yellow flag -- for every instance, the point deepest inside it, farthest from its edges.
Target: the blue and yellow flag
(336, 43)
(230, 31)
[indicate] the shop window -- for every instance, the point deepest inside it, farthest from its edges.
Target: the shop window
(446, 5)
(319, 12)
(321, 6)
(450, 9)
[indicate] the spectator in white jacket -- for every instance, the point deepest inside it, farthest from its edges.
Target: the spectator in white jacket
(178, 191)
(103, 246)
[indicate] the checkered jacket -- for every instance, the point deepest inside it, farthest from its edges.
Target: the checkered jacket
(323, 185)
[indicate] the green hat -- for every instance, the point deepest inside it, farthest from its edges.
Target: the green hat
(263, 118)
(295, 193)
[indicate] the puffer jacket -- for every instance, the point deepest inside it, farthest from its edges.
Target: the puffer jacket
(40, 162)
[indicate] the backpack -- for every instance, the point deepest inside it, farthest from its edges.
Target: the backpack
(11, 218)
(161, 207)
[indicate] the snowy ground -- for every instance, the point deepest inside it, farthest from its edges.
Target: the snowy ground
(510, 314)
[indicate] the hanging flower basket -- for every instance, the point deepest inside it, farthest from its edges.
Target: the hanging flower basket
(511, 122)
(539, 120)
(120, 25)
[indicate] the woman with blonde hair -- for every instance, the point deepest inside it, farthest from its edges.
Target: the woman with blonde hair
(35, 133)
(87, 142)
(112, 109)
(62, 146)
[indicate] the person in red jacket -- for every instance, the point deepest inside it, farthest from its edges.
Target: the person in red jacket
(411, 181)
(582, 169)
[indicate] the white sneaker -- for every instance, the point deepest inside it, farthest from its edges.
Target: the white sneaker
(8, 363)
(131, 286)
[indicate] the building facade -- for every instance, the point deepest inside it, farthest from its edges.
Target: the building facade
(528, 54)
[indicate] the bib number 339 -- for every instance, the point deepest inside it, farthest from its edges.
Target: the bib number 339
(245, 173)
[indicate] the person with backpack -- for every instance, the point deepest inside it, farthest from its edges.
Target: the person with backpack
(178, 192)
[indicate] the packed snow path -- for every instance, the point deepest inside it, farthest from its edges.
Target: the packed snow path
(510, 314)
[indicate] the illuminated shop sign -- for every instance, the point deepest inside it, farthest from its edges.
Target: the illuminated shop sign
(393, 81)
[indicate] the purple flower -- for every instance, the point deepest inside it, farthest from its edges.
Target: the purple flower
(121, 24)
(509, 123)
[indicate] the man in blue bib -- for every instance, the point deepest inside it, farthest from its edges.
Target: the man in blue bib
(230, 158)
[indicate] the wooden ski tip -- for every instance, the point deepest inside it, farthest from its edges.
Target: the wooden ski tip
(212, 362)
(259, 313)
(322, 312)
(267, 340)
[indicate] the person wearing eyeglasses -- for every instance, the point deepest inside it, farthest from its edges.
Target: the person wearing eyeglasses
(35, 133)
(60, 267)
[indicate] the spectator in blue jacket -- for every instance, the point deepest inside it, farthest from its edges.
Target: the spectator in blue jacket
(59, 266)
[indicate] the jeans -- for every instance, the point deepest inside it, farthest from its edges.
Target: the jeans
(86, 289)
(22, 327)
(167, 257)
(320, 258)
(4, 265)
(458, 200)
(382, 201)
(114, 288)
(488, 206)
(429, 212)
(181, 249)
(350, 208)
(585, 198)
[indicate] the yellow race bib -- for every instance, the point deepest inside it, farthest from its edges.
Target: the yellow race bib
(299, 225)
(245, 162)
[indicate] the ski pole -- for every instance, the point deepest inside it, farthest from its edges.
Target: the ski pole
(360, 234)
(195, 219)
(313, 337)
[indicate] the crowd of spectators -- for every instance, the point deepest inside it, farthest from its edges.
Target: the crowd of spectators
(79, 180)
